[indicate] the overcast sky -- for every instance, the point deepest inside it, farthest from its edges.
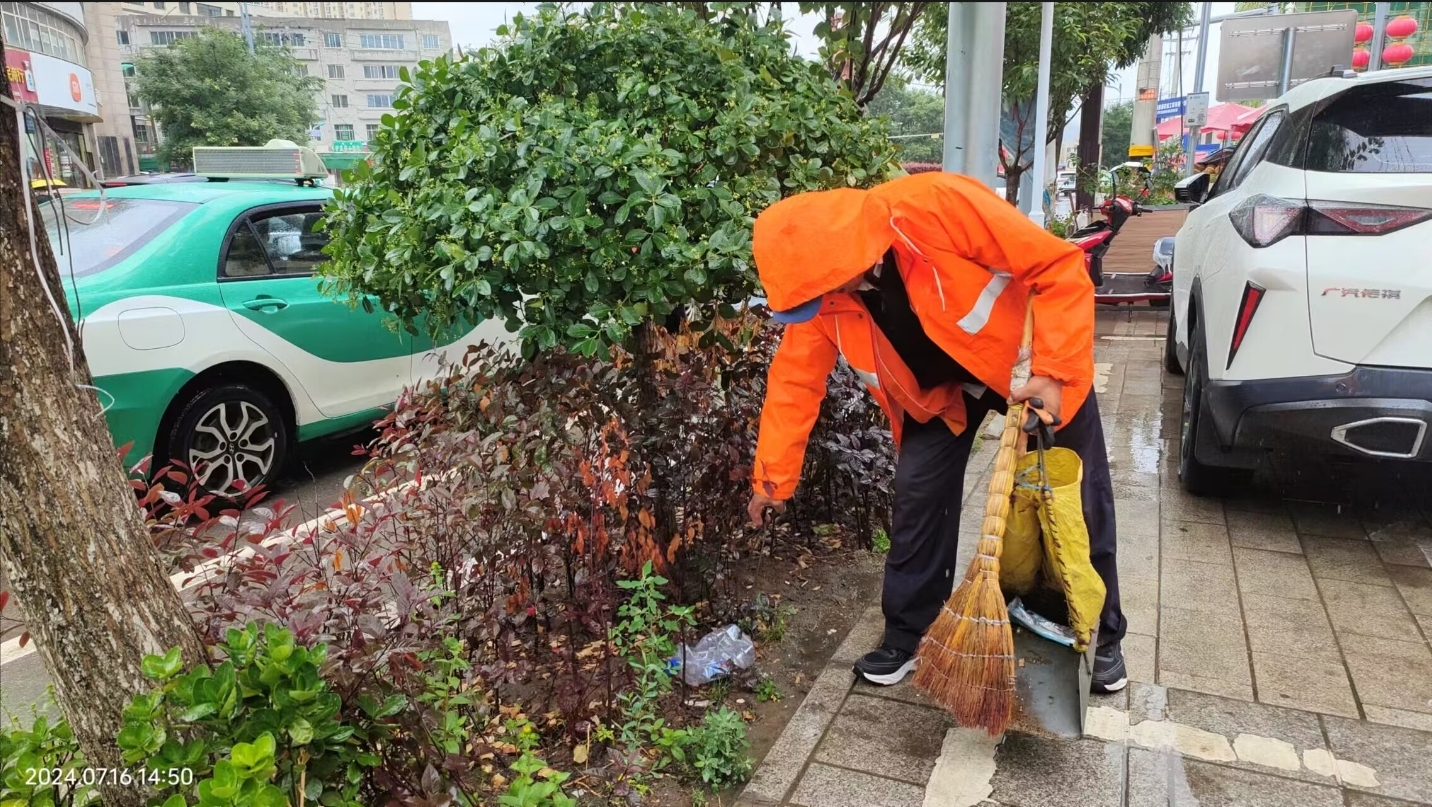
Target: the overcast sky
(474, 25)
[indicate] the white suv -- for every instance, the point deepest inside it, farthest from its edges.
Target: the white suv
(1302, 283)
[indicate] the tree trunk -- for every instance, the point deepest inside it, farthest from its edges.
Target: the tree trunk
(1013, 174)
(76, 552)
(1091, 121)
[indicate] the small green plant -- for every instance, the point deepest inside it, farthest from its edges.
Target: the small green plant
(645, 636)
(767, 691)
(535, 785)
(764, 618)
(255, 730)
(718, 749)
(880, 540)
(718, 690)
(38, 765)
(446, 694)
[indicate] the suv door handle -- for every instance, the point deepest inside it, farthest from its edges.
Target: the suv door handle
(266, 304)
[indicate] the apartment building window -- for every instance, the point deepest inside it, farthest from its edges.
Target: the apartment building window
(283, 40)
(335, 71)
(206, 10)
(340, 102)
(127, 69)
(29, 26)
(228, 12)
(372, 131)
(122, 37)
(183, 8)
(168, 37)
(332, 40)
(381, 41)
(380, 101)
(342, 131)
(160, 6)
(430, 42)
(380, 71)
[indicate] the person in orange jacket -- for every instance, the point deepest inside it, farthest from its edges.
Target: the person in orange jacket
(922, 284)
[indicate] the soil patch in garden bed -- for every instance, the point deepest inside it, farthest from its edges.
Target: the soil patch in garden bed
(826, 592)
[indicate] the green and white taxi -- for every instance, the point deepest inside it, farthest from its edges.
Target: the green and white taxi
(203, 320)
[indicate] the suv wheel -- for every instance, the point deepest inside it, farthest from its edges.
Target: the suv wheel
(1198, 478)
(232, 438)
(1171, 347)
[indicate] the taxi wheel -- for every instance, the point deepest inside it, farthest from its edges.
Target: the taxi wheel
(232, 438)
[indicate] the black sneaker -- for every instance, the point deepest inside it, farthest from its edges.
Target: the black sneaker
(1109, 671)
(885, 666)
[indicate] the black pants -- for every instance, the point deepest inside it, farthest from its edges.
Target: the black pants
(925, 529)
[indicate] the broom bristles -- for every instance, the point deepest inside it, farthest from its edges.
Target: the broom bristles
(966, 659)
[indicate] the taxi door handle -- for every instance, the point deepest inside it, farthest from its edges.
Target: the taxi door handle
(266, 304)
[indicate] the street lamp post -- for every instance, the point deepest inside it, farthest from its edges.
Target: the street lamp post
(1035, 205)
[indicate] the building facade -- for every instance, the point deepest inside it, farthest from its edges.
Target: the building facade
(47, 65)
(329, 11)
(359, 61)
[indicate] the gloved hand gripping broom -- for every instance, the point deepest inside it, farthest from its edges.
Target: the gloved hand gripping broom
(966, 660)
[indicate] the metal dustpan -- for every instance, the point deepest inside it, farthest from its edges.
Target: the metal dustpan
(1051, 686)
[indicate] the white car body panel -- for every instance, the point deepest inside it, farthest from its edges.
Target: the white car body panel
(1371, 302)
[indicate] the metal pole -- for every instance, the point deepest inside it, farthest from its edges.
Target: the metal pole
(1379, 36)
(986, 50)
(1192, 151)
(957, 90)
(1035, 207)
(247, 27)
(1285, 74)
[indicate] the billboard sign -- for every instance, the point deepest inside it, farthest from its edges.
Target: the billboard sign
(63, 85)
(20, 75)
(1168, 108)
(1251, 51)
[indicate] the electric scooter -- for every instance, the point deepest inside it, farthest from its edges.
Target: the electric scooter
(1154, 287)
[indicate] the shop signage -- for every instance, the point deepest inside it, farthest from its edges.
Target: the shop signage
(62, 84)
(20, 75)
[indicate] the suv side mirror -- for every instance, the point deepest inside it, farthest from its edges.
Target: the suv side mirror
(1192, 190)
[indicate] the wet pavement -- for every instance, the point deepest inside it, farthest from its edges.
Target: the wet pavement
(1278, 646)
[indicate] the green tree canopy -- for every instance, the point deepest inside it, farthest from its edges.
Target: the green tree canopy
(1118, 131)
(594, 171)
(912, 111)
(208, 90)
(1090, 41)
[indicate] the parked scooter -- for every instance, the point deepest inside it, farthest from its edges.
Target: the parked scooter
(1114, 288)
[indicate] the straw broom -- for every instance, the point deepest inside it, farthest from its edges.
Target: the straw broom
(966, 660)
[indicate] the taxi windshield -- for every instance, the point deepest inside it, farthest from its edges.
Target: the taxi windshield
(88, 241)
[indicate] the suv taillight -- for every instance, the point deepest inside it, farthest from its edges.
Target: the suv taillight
(1264, 220)
(1349, 218)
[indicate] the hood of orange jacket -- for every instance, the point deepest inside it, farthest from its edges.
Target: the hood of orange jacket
(970, 263)
(812, 243)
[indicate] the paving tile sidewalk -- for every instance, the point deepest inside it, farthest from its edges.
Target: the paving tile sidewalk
(1278, 653)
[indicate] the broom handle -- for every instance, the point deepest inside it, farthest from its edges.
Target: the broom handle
(1001, 480)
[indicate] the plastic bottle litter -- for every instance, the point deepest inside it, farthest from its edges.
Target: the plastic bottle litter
(715, 656)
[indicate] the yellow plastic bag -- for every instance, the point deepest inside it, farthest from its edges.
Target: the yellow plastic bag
(1046, 542)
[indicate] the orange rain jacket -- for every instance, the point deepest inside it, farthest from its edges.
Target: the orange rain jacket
(969, 261)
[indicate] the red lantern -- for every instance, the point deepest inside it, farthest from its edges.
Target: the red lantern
(1222, 135)
(1363, 33)
(1401, 28)
(1361, 59)
(1397, 54)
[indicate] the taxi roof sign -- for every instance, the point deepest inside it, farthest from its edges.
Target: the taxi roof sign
(277, 159)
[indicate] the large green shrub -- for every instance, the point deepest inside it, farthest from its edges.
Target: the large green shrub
(592, 172)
